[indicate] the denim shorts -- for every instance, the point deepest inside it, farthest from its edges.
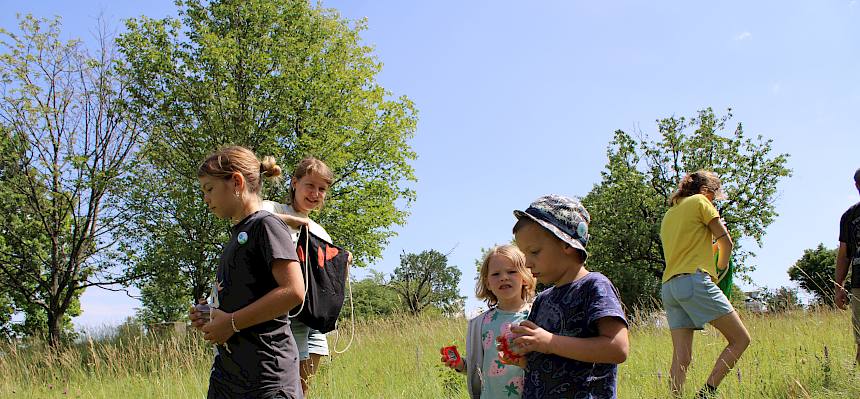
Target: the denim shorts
(692, 300)
(308, 340)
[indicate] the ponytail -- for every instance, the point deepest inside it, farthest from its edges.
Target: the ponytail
(692, 184)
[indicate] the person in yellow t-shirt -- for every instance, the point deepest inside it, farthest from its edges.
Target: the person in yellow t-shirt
(690, 296)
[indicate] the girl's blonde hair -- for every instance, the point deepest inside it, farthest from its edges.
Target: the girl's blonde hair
(309, 165)
(228, 160)
(519, 260)
(693, 183)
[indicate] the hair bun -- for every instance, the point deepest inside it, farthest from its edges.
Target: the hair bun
(269, 168)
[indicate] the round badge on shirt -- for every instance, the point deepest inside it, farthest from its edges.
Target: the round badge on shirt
(242, 238)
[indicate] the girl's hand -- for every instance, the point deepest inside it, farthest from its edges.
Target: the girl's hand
(531, 338)
(198, 320)
(219, 329)
(458, 365)
(519, 361)
(294, 221)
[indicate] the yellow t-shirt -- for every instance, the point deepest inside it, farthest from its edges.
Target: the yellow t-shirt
(687, 238)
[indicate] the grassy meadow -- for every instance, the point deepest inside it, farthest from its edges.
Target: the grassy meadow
(795, 355)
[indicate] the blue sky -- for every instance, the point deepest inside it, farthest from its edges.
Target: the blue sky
(520, 99)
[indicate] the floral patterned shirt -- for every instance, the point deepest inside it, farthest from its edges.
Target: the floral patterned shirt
(499, 380)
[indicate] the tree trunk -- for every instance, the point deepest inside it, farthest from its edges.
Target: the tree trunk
(54, 331)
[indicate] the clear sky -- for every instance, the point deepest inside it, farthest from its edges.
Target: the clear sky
(521, 99)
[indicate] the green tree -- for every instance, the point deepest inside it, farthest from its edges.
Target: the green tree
(373, 298)
(425, 279)
(814, 273)
(71, 140)
(782, 299)
(162, 299)
(628, 204)
(284, 79)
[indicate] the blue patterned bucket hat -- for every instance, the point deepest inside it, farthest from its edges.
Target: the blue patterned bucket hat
(565, 217)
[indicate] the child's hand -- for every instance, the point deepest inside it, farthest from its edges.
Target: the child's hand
(294, 221)
(508, 352)
(531, 338)
(512, 359)
(455, 363)
(519, 361)
(198, 319)
(219, 329)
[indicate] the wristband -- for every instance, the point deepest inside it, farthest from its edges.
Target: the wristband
(233, 323)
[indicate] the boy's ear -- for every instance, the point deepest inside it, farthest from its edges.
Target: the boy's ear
(568, 249)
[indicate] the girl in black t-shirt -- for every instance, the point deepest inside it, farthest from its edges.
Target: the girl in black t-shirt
(257, 282)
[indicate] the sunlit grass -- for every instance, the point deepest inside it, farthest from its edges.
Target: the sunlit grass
(797, 355)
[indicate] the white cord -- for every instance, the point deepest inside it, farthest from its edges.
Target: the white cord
(306, 270)
(351, 317)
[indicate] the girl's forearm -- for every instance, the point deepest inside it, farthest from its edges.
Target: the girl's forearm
(275, 303)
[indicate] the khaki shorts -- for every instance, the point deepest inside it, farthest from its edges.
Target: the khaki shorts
(855, 314)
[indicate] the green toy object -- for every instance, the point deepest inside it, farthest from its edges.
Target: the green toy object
(724, 276)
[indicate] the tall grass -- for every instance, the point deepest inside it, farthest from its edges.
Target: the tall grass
(795, 355)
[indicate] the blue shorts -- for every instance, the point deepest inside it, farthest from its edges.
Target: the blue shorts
(308, 340)
(692, 300)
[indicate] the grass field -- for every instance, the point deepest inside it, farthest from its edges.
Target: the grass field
(797, 355)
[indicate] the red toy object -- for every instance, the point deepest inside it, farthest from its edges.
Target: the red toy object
(505, 347)
(450, 353)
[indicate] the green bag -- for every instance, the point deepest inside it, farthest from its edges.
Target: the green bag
(724, 276)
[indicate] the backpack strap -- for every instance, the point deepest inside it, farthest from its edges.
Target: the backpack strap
(305, 270)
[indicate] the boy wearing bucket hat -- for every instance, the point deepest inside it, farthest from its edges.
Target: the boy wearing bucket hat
(576, 334)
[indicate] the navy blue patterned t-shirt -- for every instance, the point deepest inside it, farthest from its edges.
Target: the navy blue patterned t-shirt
(573, 310)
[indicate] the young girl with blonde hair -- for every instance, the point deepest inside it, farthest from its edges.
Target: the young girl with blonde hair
(508, 288)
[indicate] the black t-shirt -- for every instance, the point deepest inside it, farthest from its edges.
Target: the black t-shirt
(262, 358)
(849, 233)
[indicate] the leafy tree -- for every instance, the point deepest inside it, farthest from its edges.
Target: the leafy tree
(425, 279)
(814, 273)
(373, 298)
(6, 312)
(71, 140)
(782, 299)
(162, 299)
(628, 204)
(738, 297)
(284, 79)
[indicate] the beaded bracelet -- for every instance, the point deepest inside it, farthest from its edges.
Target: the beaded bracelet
(233, 323)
